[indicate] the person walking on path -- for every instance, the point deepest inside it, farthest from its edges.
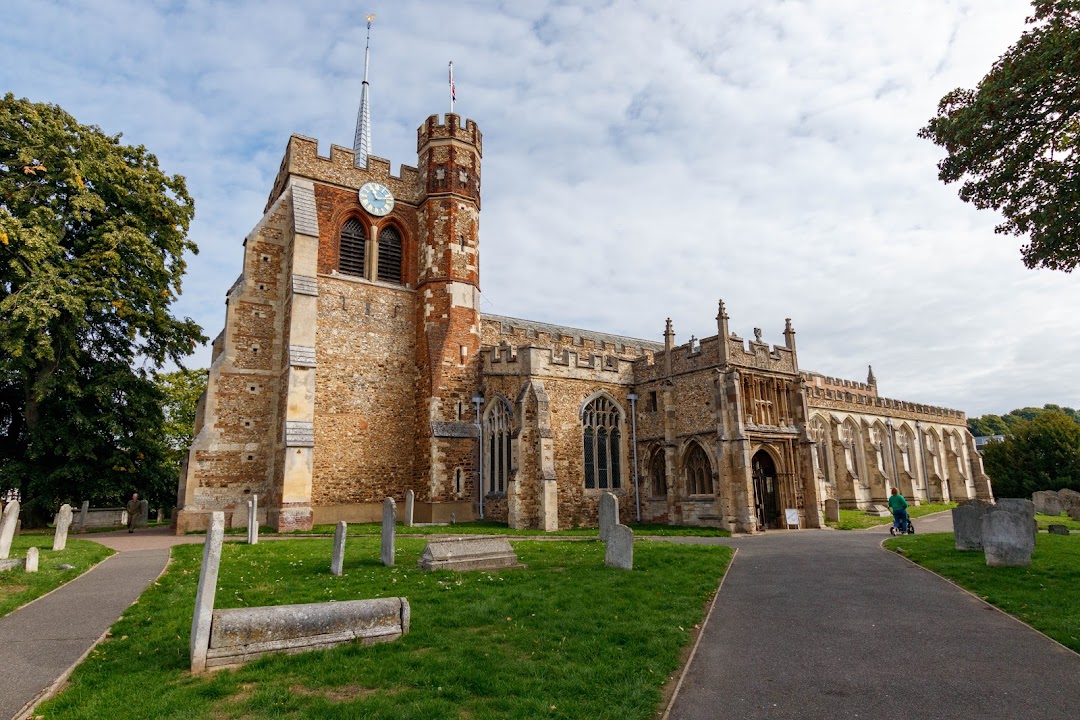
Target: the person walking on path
(133, 511)
(898, 504)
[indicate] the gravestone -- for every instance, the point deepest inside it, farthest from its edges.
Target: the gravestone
(11, 564)
(84, 514)
(1069, 498)
(478, 552)
(609, 514)
(619, 550)
(1008, 533)
(879, 511)
(389, 519)
(1074, 512)
(1057, 530)
(253, 520)
(410, 501)
(1047, 502)
(8, 521)
(832, 510)
(142, 519)
(338, 559)
(967, 525)
(161, 515)
(204, 598)
(32, 559)
(63, 522)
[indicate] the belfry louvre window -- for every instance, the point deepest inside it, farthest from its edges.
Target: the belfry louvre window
(602, 449)
(353, 245)
(390, 256)
(698, 472)
(497, 429)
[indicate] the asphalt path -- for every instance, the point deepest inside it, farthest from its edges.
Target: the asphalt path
(827, 624)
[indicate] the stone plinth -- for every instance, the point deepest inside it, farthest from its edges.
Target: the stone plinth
(253, 520)
(469, 553)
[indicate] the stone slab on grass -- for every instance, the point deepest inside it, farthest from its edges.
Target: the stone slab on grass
(967, 525)
(1008, 533)
(469, 553)
(1047, 502)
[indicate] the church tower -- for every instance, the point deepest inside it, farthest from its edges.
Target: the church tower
(448, 306)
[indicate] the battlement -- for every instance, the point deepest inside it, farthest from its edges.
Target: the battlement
(845, 400)
(302, 159)
(759, 355)
(501, 330)
(451, 129)
(834, 383)
(530, 360)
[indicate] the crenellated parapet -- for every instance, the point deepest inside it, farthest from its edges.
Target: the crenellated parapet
(435, 129)
(546, 362)
(760, 355)
(500, 330)
(836, 399)
(302, 159)
(825, 382)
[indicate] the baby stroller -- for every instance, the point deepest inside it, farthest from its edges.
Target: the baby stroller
(908, 530)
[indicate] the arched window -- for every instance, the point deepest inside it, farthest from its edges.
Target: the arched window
(877, 439)
(658, 473)
(931, 449)
(602, 424)
(390, 255)
(819, 434)
(851, 458)
(698, 472)
(497, 428)
(903, 444)
(353, 247)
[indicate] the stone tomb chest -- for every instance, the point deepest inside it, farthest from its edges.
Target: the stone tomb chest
(469, 553)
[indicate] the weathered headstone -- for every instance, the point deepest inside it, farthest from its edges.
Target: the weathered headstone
(32, 559)
(619, 550)
(1008, 533)
(832, 510)
(1074, 512)
(967, 525)
(161, 515)
(389, 520)
(63, 522)
(204, 598)
(338, 559)
(8, 521)
(1058, 530)
(478, 552)
(253, 520)
(1069, 498)
(609, 514)
(410, 501)
(11, 564)
(84, 514)
(1047, 502)
(142, 519)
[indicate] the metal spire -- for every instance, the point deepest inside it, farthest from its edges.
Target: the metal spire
(362, 139)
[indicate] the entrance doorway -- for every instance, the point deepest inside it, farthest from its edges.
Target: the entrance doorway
(766, 492)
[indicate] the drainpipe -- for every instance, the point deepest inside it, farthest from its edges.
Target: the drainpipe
(477, 399)
(922, 456)
(892, 452)
(632, 397)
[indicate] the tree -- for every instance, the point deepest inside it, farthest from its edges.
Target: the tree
(987, 425)
(92, 237)
(181, 390)
(1012, 139)
(1038, 454)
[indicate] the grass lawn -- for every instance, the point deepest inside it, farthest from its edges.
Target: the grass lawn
(1043, 595)
(486, 527)
(18, 588)
(1046, 521)
(564, 638)
(859, 520)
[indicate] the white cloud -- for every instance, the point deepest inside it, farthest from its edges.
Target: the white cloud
(640, 161)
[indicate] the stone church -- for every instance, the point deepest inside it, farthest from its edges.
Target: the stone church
(355, 365)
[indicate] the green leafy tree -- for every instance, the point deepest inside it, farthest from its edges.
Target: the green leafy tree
(92, 238)
(987, 425)
(1012, 139)
(1038, 454)
(181, 390)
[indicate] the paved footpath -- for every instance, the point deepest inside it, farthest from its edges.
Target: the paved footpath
(826, 624)
(41, 641)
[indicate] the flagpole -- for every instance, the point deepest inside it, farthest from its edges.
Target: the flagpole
(452, 98)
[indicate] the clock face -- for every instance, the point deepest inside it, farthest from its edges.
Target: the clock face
(376, 199)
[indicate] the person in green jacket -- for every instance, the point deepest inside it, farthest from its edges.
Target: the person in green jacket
(898, 505)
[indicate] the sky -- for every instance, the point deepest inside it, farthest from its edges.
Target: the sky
(642, 160)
